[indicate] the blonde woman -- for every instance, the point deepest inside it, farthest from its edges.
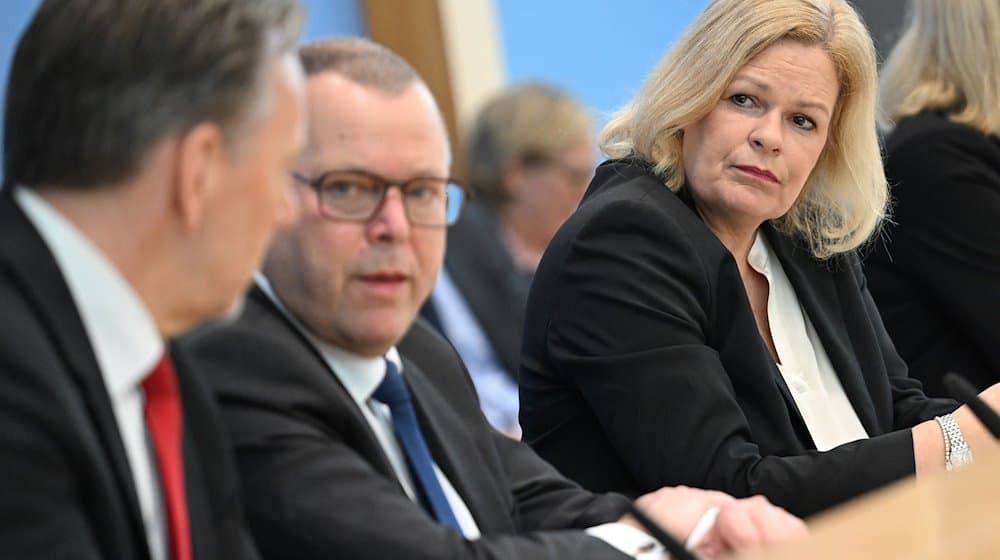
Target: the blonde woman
(702, 318)
(936, 276)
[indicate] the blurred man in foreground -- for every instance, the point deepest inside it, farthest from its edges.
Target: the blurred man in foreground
(147, 146)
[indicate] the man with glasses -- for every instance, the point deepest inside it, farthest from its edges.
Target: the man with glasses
(357, 431)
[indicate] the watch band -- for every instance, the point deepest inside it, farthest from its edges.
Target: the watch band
(956, 451)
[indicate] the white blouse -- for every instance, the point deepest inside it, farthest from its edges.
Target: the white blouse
(804, 364)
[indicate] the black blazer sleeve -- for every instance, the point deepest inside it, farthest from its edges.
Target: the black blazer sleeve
(68, 490)
(630, 315)
(317, 485)
(945, 241)
(909, 404)
(42, 511)
(542, 499)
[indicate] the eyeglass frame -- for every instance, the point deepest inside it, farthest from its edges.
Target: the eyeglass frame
(385, 184)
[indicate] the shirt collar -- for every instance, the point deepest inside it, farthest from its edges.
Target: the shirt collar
(360, 375)
(760, 255)
(121, 330)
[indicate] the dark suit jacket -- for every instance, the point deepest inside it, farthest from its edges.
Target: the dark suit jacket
(643, 365)
(495, 290)
(936, 273)
(318, 485)
(67, 488)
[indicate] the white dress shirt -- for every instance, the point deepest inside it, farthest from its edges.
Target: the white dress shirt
(804, 364)
(125, 341)
(361, 376)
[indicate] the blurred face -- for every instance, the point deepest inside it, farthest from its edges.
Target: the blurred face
(546, 194)
(359, 284)
(748, 159)
(253, 197)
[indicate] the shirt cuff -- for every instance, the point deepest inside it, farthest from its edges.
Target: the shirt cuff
(641, 546)
(629, 540)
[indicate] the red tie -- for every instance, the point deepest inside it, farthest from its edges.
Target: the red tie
(163, 420)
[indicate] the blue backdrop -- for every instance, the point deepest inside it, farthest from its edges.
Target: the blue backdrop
(598, 49)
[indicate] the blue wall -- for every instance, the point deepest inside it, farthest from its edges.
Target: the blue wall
(14, 16)
(325, 17)
(598, 49)
(333, 17)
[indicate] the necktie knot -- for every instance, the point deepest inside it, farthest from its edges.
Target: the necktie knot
(392, 391)
(161, 383)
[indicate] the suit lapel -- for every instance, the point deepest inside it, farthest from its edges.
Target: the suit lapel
(366, 442)
(454, 451)
(28, 262)
(815, 286)
(760, 347)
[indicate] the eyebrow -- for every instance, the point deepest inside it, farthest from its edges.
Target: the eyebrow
(767, 88)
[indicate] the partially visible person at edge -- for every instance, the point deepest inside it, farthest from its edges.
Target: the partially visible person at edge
(702, 318)
(935, 273)
(356, 428)
(529, 157)
(147, 147)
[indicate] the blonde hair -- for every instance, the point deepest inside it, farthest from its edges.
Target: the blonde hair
(844, 199)
(948, 58)
(524, 124)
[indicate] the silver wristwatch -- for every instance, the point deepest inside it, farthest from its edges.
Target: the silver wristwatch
(956, 451)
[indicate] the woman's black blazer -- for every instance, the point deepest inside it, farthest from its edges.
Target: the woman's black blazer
(642, 365)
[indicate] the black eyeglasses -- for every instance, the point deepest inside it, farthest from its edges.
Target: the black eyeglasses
(355, 195)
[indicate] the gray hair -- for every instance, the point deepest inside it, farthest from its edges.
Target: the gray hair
(525, 124)
(95, 84)
(365, 63)
(361, 61)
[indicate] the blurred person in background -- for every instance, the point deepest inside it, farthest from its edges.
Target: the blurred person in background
(702, 318)
(935, 274)
(147, 147)
(529, 156)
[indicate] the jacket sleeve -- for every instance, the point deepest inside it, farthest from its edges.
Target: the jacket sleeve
(910, 405)
(544, 500)
(632, 328)
(41, 513)
(42, 506)
(311, 492)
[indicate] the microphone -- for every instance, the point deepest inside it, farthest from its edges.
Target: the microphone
(670, 544)
(963, 391)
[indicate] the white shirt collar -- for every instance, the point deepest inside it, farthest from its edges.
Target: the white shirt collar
(804, 364)
(121, 330)
(759, 256)
(360, 375)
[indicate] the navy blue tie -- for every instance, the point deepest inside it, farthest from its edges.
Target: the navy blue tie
(393, 392)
